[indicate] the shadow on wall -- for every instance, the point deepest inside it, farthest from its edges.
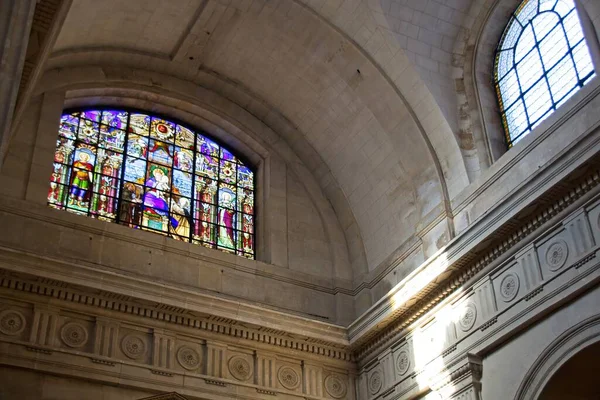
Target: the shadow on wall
(577, 379)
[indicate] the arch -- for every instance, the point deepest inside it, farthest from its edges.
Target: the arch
(246, 133)
(564, 347)
(150, 172)
(542, 59)
(474, 51)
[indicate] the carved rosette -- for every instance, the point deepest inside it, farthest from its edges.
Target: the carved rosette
(375, 382)
(240, 368)
(509, 287)
(467, 317)
(335, 386)
(556, 255)
(402, 362)
(74, 335)
(288, 377)
(12, 322)
(133, 346)
(188, 358)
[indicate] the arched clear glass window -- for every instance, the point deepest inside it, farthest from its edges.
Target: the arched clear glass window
(541, 61)
(149, 173)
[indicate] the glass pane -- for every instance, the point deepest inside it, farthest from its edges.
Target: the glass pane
(88, 131)
(184, 137)
(135, 170)
(583, 60)
(509, 87)
(543, 24)
(182, 183)
(112, 138)
(528, 10)
(227, 221)
(207, 166)
(160, 153)
(546, 5)
(246, 201)
(227, 196)
(115, 119)
(207, 146)
(562, 78)
(553, 47)
(563, 7)
(525, 43)
(516, 119)
(538, 101)
(137, 146)
(162, 130)
(82, 178)
(505, 62)
(227, 171)
(573, 28)
(140, 124)
(512, 34)
(93, 116)
(184, 159)
(245, 177)
(529, 70)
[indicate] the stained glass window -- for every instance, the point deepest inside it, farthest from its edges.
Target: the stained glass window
(152, 174)
(541, 61)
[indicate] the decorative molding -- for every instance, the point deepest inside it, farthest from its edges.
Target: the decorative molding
(335, 386)
(133, 346)
(214, 382)
(468, 316)
(267, 392)
(12, 322)
(534, 293)
(74, 335)
(556, 255)
(239, 368)
(288, 377)
(403, 362)
(103, 362)
(36, 349)
(188, 358)
(373, 340)
(489, 323)
(375, 381)
(509, 287)
(159, 372)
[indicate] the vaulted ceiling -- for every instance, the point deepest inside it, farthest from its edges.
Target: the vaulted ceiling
(367, 84)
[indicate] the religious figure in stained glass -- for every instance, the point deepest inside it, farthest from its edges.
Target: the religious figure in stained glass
(541, 61)
(150, 173)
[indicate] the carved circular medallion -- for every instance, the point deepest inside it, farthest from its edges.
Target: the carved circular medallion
(188, 358)
(509, 287)
(467, 317)
(288, 377)
(133, 346)
(556, 255)
(239, 368)
(402, 362)
(375, 382)
(74, 334)
(335, 386)
(11, 322)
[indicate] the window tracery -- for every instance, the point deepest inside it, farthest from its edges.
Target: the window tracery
(149, 173)
(541, 61)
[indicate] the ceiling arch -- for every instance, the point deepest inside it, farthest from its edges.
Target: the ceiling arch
(317, 88)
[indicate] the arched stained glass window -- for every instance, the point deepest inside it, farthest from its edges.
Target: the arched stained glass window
(152, 174)
(541, 61)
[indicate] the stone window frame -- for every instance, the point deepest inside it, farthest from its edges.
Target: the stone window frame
(480, 44)
(199, 131)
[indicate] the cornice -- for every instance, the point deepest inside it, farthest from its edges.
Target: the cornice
(446, 272)
(46, 277)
